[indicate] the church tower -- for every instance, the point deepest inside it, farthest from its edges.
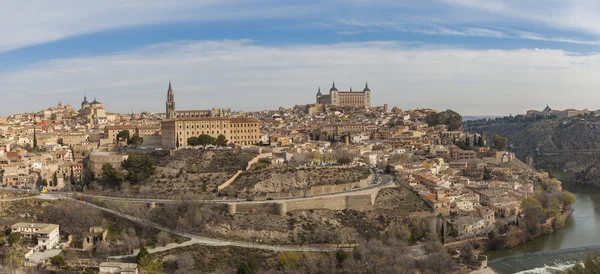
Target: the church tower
(170, 111)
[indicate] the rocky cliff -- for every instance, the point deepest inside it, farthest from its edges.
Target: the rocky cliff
(571, 144)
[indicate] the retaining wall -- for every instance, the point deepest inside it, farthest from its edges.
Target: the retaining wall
(359, 202)
(320, 190)
(250, 163)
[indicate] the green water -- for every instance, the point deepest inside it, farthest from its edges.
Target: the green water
(581, 230)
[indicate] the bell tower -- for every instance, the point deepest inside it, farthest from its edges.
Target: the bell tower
(170, 105)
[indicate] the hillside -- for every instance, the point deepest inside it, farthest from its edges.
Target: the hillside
(279, 178)
(561, 143)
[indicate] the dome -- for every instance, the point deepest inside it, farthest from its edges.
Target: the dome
(366, 87)
(333, 88)
(95, 102)
(85, 101)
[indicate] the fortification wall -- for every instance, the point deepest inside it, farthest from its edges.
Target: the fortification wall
(320, 190)
(228, 182)
(359, 202)
(250, 163)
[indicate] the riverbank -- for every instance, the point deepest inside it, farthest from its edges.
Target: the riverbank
(487, 270)
(578, 237)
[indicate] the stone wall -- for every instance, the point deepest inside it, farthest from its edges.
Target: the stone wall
(320, 190)
(250, 163)
(359, 202)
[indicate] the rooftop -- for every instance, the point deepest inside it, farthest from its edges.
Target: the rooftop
(43, 228)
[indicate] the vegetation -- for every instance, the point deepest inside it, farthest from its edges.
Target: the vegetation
(540, 214)
(500, 142)
(138, 168)
(110, 176)
(449, 118)
(202, 140)
(58, 260)
(123, 135)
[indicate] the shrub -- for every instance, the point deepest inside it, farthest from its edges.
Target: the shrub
(58, 260)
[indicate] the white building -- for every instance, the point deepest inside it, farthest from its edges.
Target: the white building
(47, 234)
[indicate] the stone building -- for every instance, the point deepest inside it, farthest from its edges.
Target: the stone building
(95, 236)
(71, 139)
(172, 113)
(92, 113)
(239, 131)
(345, 98)
(99, 158)
(111, 132)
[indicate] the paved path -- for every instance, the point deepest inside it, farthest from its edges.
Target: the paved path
(18, 199)
(195, 239)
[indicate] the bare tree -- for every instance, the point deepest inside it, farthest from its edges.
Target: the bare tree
(185, 263)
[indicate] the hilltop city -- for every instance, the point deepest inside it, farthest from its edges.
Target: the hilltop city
(87, 189)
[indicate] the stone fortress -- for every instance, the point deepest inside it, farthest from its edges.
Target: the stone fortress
(345, 98)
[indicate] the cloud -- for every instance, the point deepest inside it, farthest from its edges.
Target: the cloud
(241, 74)
(428, 27)
(30, 22)
(581, 15)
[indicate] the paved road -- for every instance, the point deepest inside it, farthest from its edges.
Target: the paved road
(195, 239)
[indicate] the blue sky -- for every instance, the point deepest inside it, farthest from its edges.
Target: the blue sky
(478, 57)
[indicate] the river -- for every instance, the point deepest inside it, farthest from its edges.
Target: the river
(547, 254)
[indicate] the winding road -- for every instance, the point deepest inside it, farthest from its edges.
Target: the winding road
(196, 239)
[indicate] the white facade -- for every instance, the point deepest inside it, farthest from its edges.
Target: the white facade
(47, 235)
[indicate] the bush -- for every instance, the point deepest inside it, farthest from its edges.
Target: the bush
(288, 260)
(244, 268)
(58, 260)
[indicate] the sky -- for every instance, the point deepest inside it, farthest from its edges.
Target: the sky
(478, 57)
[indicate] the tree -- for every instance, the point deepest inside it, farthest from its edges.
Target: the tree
(192, 141)
(138, 167)
(205, 140)
(58, 260)
(102, 249)
(185, 263)
(388, 169)
(142, 256)
(244, 268)
(55, 178)
(500, 142)
(15, 238)
(13, 258)
(467, 254)
(72, 177)
(467, 141)
(480, 141)
(534, 215)
(567, 199)
(221, 141)
(341, 256)
(35, 144)
(123, 135)
(163, 238)
(449, 118)
(111, 176)
(135, 140)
